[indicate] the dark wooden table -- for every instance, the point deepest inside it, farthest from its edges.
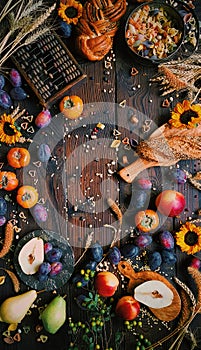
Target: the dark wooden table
(83, 173)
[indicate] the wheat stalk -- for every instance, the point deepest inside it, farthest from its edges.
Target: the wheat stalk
(195, 273)
(23, 30)
(87, 246)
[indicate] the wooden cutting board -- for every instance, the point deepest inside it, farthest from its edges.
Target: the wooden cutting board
(167, 313)
(180, 143)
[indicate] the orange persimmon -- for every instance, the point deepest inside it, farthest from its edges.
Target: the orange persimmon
(27, 196)
(18, 157)
(8, 180)
(71, 106)
(146, 220)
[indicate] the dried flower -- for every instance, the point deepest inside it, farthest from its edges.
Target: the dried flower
(185, 115)
(189, 238)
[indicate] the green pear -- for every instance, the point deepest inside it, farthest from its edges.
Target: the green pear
(54, 315)
(13, 309)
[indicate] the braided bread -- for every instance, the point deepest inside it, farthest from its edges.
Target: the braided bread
(97, 27)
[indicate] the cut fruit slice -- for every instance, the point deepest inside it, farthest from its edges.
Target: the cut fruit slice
(154, 294)
(31, 256)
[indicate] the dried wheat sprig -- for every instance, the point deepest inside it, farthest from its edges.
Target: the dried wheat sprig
(31, 8)
(187, 290)
(9, 235)
(14, 279)
(9, 48)
(35, 36)
(87, 246)
(186, 310)
(195, 273)
(8, 8)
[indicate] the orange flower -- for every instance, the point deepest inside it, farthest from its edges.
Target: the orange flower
(189, 238)
(70, 11)
(185, 115)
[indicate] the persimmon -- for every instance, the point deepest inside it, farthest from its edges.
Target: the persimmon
(146, 220)
(8, 180)
(71, 106)
(27, 196)
(18, 157)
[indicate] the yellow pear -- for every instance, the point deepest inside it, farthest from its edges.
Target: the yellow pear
(13, 309)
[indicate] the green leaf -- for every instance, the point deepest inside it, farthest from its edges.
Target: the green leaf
(91, 346)
(118, 337)
(91, 295)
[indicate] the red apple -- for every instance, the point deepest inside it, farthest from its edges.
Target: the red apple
(106, 283)
(170, 203)
(127, 308)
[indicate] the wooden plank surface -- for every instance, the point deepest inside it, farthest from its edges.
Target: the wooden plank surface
(75, 184)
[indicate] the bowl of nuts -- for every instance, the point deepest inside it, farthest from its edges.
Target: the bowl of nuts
(154, 32)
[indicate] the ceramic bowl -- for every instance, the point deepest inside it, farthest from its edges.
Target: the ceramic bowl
(154, 32)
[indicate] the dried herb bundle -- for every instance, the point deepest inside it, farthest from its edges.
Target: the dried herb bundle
(23, 22)
(176, 76)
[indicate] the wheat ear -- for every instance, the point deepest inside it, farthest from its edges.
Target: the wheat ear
(9, 235)
(195, 273)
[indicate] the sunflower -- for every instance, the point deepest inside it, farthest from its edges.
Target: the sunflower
(70, 11)
(8, 130)
(185, 115)
(189, 238)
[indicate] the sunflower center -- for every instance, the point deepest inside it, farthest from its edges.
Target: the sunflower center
(8, 130)
(187, 116)
(71, 12)
(191, 238)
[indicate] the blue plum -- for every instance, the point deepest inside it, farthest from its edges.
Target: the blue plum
(54, 255)
(96, 252)
(114, 255)
(56, 268)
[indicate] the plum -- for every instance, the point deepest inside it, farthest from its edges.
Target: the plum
(44, 268)
(154, 260)
(56, 268)
(15, 78)
(3, 206)
(166, 240)
(96, 252)
(168, 257)
(142, 241)
(130, 251)
(144, 184)
(91, 265)
(54, 255)
(114, 255)
(47, 247)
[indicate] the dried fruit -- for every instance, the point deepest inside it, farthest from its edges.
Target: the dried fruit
(166, 239)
